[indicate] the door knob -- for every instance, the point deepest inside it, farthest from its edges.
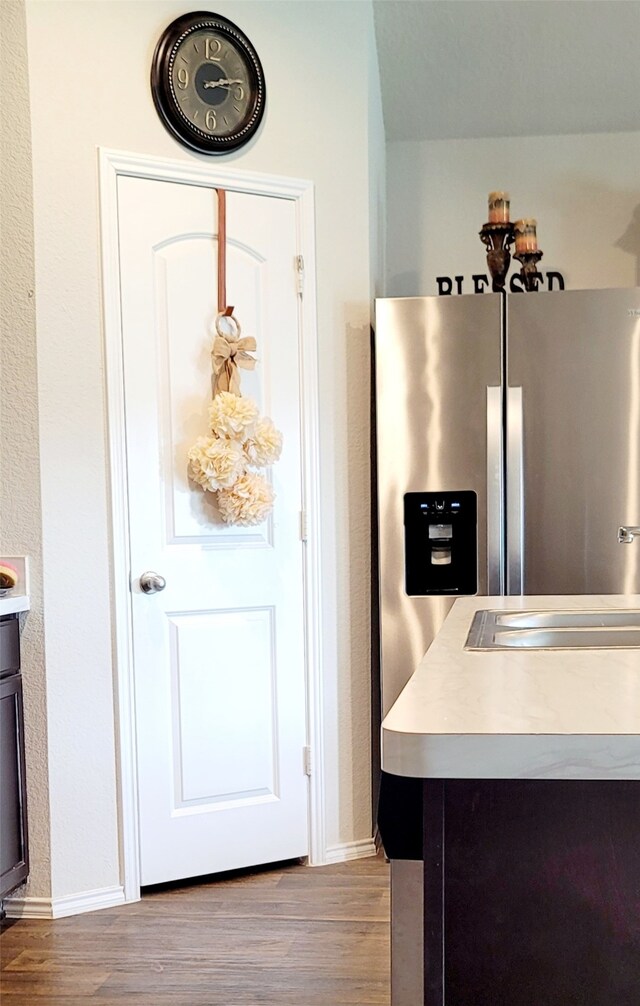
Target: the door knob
(152, 583)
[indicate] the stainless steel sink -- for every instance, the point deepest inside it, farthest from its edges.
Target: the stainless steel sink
(556, 630)
(572, 619)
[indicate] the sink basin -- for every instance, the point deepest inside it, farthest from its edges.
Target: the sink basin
(572, 619)
(556, 639)
(556, 630)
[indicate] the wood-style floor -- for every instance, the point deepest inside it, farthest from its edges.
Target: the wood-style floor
(293, 936)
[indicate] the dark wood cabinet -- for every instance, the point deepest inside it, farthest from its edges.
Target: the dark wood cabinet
(532, 892)
(14, 855)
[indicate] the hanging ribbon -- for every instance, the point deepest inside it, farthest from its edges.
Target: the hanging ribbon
(222, 254)
(229, 350)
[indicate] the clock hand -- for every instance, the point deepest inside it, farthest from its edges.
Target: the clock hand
(223, 82)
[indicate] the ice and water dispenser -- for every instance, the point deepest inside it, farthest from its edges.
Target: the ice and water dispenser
(440, 543)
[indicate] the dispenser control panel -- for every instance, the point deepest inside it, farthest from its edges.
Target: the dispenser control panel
(441, 543)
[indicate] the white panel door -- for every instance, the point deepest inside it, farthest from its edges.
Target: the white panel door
(219, 653)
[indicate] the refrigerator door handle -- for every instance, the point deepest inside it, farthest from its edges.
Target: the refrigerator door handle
(515, 495)
(495, 542)
(627, 534)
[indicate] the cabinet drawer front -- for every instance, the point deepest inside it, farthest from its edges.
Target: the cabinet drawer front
(9, 646)
(14, 865)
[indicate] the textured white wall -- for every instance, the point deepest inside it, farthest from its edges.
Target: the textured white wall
(315, 127)
(20, 513)
(583, 190)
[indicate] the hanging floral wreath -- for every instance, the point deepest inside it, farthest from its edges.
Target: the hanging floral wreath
(240, 439)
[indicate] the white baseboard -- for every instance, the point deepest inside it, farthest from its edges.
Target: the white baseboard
(59, 908)
(350, 850)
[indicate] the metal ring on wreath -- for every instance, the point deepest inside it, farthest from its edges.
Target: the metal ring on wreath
(233, 323)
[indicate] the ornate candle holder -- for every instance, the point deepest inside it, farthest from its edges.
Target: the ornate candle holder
(498, 237)
(529, 269)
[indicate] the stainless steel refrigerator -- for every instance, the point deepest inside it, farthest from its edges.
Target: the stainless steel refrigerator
(508, 449)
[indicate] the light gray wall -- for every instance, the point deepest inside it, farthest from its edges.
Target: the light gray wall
(584, 192)
(315, 127)
(20, 503)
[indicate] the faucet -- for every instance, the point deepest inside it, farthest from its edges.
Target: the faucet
(627, 534)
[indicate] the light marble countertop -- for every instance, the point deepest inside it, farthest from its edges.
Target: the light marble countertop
(539, 714)
(13, 602)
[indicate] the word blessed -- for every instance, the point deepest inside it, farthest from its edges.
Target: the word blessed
(482, 283)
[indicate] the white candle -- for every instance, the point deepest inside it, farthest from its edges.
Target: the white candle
(499, 207)
(526, 237)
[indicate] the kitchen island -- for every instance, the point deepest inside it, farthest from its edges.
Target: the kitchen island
(510, 810)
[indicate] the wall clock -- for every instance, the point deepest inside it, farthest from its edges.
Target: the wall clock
(208, 83)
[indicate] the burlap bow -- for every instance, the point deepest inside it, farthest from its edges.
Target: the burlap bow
(230, 352)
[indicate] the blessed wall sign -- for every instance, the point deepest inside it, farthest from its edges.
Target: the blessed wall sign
(481, 283)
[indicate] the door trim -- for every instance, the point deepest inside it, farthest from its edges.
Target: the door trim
(113, 163)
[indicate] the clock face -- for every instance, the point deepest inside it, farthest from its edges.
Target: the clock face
(207, 83)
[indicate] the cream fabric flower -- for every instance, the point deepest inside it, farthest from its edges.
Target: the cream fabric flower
(232, 416)
(264, 445)
(248, 502)
(216, 463)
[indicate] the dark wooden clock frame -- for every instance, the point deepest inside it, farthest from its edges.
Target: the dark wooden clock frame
(164, 96)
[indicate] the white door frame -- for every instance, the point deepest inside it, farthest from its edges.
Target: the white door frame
(111, 164)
